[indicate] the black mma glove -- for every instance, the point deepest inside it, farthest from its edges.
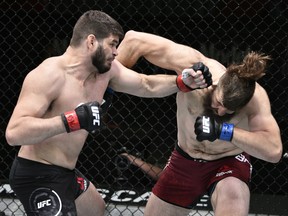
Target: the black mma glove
(205, 71)
(107, 100)
(206, 128)
(198, 66)
(86, 116)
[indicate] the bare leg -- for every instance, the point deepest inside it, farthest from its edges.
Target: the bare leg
(157, 207)
(231, 197)
(90, 203)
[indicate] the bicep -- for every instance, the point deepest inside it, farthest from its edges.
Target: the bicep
(158, 50)
(261, 118)
(263, 123)
(174, 56)
(125, 80)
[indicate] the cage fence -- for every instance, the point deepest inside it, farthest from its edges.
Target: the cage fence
(33, 30)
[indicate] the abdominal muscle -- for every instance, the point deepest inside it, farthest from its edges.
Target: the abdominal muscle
(207, 150)
(61, 150)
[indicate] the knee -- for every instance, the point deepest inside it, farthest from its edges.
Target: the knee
(230, 195)
(232, 189)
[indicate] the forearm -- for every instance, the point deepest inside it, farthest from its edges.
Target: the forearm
(151, 170)
(164, 85)
(262, 140)
(260, 144)
(30, 130)
(160, 85)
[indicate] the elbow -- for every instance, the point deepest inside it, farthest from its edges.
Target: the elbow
(131, 39)
(11, 137)
(275, 155)
(129, 50)
(130, 35)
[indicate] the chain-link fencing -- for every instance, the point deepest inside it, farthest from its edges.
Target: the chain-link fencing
(224, 30)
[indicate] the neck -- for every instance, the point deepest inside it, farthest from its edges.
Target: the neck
(79, 64)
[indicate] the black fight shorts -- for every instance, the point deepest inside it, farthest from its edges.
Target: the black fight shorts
(46, 190)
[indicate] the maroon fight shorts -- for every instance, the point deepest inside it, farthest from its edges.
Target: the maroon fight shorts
(184, 179)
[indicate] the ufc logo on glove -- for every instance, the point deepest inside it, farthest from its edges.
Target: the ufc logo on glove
(206, 124)
(86, 116)
(207, 128)
(96, 114)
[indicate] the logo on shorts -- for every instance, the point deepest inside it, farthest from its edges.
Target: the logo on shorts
(45, 201)
(225, 170)
(243, 159)
(224, 173)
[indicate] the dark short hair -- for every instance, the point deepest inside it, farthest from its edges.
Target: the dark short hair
(95, 22)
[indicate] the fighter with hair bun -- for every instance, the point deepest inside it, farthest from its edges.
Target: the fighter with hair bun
(219, 127)
(238, 85)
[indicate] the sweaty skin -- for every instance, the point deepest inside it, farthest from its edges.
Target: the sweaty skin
(60, 84)
(256, 131)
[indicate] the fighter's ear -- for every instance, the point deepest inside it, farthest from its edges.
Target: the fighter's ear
(91, 40)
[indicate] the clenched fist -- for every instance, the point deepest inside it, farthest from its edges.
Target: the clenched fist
(206, 128)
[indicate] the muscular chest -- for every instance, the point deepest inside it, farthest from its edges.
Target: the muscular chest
(75, 92)
(191, 105)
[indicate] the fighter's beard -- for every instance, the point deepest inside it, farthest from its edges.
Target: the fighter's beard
(99, 59)
(208, 110)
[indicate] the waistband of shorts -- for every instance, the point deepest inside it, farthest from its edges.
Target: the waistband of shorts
(28, 162)
(187, 156)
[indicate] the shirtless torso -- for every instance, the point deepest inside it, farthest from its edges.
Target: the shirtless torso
(60, 84)
(264, 143)
(189, 107)
(184, 179)
(63, 90)
(59, 105)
